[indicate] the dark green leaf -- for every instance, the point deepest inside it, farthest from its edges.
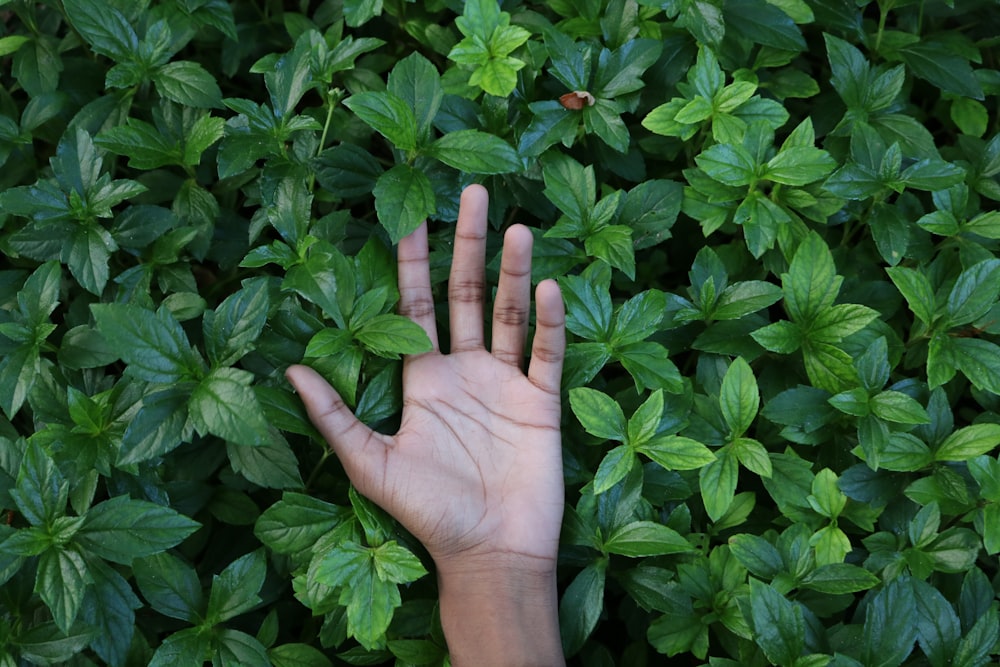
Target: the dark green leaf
(889, 630)
(170, 586)
(403, 199)
(121, 529)
(235, 589)
(937, 63)
(153, 344)
(778, 624)
(581, 606)
(188, 83)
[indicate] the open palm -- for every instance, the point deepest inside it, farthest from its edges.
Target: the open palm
(476, 466)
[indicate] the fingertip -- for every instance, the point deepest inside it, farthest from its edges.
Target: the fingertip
(475, 191)
(518, 235)
(549, 302)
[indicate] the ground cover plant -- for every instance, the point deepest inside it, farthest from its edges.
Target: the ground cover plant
(775, 227)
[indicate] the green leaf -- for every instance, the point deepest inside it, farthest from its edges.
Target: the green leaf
(389, 335)
(779, 628)
(675, 452)
(233, 647)
(968, 442)
(620, 71)
(979, 360)
(752, 455)
(110, 606)
(231, 331)
(347, 170)
(739, 397)
(613, 244)
(782, 337)
(387, 114)
(812, 283)
(104, 27)
(296, 522)
(581, 606)
(272, 465)
(603, 118)
(121, 529)
(153, 345)
(638, 318)
(763, 23)
(743, 298)
(916, 289)
(757, 555)
(975, 646)
(44, 643)
(298, 655)
(839, 579)
(799, 165)
(970, 116)
(651, 209)
(826, 497)
(588, 307)
(475, 152)
(170, 586)
(728, 164)
(932, 174)
(61, 583)
(717, 481)
(615, 465)
(648, 364)
(359, 12)
(415, 80)
(646, 538)
(935, 62)
(157, 428)
(40, 491)
(188, 83)
(570, 186)
(235, 589)
(644, 422)
(187, 647)
(224, 404)
(403, 199)
(938, 626)
(897, 407)
(145, 146)
(974, 292)
(397, 564)
(889, 630)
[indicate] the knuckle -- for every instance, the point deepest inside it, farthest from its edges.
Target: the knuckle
(510, 316)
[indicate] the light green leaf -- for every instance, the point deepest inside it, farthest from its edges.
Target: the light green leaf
(225, 405)
(739, 397)
(475, 152)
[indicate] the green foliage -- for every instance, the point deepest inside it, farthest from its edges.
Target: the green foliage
(774, 227)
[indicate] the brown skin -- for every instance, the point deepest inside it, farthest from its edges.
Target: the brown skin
(475, 471)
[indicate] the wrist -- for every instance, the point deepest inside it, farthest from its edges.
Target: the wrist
(500, 610)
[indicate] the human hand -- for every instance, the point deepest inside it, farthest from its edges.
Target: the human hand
(475, 470)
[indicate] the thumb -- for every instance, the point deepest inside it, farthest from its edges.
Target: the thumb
(356, 445)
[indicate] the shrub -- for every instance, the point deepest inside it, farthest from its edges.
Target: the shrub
(775, 228)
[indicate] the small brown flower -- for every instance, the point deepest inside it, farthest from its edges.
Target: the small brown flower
(576, 100)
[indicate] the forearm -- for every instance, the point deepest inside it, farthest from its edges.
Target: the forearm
(501, 612)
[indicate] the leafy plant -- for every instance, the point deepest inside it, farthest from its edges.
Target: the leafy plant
(774, 226)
